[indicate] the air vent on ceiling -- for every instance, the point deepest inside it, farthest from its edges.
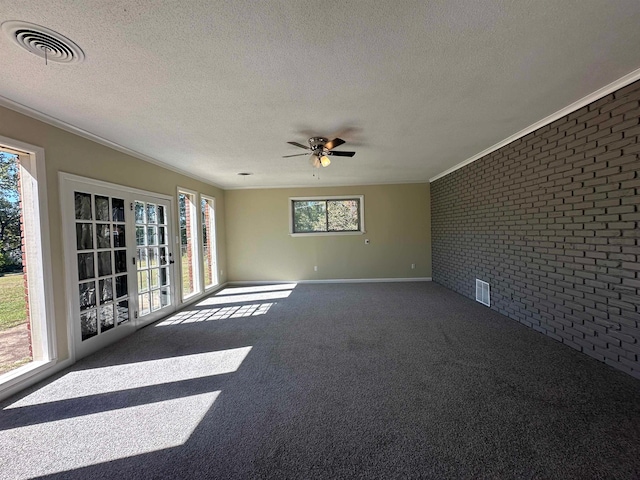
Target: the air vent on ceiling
(482, 293)
(43, 42)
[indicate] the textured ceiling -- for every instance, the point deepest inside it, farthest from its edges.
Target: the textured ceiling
(415, 87)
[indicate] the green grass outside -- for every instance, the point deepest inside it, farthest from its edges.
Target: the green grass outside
(13, 310)
(186, 284)
(6, 367)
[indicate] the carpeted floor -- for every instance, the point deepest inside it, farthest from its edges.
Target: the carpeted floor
(401, 380)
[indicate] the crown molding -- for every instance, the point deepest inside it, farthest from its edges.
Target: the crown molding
(598, 94)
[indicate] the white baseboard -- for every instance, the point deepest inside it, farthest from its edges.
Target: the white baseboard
(330, 280)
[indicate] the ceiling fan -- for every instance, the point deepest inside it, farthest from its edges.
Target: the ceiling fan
(321, 149)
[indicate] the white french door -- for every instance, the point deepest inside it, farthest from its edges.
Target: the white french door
(154, 258)
(119, 260)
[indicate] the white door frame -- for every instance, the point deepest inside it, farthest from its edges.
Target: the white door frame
(68, 184)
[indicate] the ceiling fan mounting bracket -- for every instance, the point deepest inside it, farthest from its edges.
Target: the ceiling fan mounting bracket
(317, 143)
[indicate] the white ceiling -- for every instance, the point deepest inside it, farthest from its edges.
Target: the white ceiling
(414, 87)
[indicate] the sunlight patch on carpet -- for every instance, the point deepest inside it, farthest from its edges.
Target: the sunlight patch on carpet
(95, 381)
(256, 289)
(101, 437)
(209, 314)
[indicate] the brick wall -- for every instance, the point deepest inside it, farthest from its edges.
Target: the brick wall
(552, 222)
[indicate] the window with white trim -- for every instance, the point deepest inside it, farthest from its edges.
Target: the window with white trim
(209, 255)
(326, 215)
(189, 264)
(30, 201)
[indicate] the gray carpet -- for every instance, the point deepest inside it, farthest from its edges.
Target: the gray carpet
(403, 380)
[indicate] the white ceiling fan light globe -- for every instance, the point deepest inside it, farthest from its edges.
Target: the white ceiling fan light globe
(315, 161)
(325, 161)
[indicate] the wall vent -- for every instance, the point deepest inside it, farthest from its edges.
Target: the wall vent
(482, 293)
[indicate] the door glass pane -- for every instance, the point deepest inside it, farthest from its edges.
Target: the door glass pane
(155, 300)
(106, 290)
(164, 297)
(151, 213)
(83, 206)
(87, 295)
(154, 277)
(123, 311)
(163, 256)
(140, 236)
(143, 281)
(162, 235)
(164, 277)
(102, 208)
(84, 236)
(85, 266)
(106, 317)
(121, 261)
(161, 215)
(121, 286)
(104, 263)
(119, 239)
(117, 209)
(103, 235)
(143, 259)
(152, 236)
(144, 304)
(139, 212)
(88, 324)
(153, 257)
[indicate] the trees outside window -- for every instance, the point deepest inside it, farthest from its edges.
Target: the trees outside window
(326, 215)
(10, 236)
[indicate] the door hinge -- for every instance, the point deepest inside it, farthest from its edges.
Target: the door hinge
(133, 260)
(135, 314)
(131, 206)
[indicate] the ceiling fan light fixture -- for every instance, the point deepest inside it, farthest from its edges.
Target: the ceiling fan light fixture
(315, 161)
(325, 161)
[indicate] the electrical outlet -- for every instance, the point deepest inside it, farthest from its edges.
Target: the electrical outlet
(413, 266)
(315, 268)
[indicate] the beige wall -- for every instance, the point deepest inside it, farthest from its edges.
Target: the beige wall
(66, 152)
(397, 222)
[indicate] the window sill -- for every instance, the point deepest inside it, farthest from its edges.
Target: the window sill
(9, 379)
(324, 234)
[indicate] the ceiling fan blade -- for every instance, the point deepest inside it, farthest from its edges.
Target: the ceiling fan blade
(342, 154)
(336, 142)
(298, 145)
(296, 155)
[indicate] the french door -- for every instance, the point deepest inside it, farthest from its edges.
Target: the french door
(119, 260)
(154, 258)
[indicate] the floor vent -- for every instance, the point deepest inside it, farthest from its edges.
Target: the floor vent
(482, 293)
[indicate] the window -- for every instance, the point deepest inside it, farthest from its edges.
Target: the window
(31, 260)
(208, 211)
(326, 215)
(188, 243)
